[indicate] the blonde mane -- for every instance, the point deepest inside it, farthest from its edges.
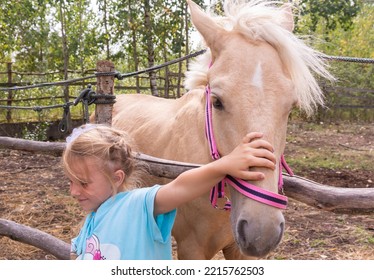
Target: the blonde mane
(262, 20)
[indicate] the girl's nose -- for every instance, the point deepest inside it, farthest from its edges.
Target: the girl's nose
(74, 189)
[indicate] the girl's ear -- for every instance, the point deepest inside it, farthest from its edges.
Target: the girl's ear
(119, 177)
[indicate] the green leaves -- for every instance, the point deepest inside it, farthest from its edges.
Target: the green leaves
(331, 13)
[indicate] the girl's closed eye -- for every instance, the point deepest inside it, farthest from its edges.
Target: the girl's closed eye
(83, 183)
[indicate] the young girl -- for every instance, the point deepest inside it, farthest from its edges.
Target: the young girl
(126, 223)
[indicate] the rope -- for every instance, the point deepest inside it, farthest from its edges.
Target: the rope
(60, 83)
(63, 126)
(122, 76)
(349, 59)
(65, 82)
(36, 108)
(86, 96)
(118, 75)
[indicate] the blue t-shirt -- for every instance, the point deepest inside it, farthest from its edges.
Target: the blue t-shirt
(124, 227)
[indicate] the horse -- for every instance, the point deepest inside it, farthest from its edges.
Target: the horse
(256, 70)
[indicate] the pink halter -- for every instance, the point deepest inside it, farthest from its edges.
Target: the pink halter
(245, 188)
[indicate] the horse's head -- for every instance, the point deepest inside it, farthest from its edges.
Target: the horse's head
(259, 72)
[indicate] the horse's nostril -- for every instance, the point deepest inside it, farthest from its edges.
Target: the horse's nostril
(281, 229)
(242, 232)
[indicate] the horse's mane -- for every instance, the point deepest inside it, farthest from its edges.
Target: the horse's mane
(262, 20)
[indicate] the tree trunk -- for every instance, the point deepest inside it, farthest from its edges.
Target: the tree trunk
(167, 74)
(186, 21)
(150, 48)
(10, 93)
(134, 47)
(107, 33)
(81, 41)
(65, 52)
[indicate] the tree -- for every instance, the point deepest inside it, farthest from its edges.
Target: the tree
(355, 42)
(149, 45)
(331, 12)
(23, 32)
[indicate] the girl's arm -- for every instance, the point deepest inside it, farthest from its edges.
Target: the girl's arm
(252, 152)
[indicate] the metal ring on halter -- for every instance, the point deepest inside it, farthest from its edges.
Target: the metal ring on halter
(227, 204)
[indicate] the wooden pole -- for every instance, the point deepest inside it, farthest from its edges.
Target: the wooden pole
(105, 85)
(36, 238)
(314, 194)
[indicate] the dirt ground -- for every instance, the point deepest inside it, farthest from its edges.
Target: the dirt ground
(34, 192)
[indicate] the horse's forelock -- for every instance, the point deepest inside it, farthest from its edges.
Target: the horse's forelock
(263, 20)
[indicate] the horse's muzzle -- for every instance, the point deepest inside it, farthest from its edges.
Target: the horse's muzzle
(257, 240)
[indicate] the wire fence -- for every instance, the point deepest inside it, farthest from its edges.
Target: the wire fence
(343, 102)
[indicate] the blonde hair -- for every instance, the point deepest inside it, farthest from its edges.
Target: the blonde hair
(112, 149)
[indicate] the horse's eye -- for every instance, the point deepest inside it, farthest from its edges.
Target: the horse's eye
(217, 104)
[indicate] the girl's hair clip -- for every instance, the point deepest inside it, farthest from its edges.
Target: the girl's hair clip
(78, 131)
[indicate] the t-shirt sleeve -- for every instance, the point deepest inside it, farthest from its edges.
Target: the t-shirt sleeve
(161, 225)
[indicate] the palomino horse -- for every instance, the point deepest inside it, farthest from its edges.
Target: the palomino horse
(256, 70)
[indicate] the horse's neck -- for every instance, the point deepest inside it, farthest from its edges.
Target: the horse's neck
(188, 128)
(170, 129)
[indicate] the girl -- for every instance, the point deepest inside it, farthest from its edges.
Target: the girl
(125, 223)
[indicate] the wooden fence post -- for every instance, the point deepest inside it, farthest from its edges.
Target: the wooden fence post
(105, 85)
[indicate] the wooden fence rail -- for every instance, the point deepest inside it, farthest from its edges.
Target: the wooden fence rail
(304, 190)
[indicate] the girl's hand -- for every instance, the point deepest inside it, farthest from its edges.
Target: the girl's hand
(252, 152)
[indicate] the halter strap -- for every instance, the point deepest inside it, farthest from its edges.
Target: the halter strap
(245, 188)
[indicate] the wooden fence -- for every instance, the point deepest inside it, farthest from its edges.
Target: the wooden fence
(170, 86)
(346, 103)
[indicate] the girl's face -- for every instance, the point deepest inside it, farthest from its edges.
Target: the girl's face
(90, 186)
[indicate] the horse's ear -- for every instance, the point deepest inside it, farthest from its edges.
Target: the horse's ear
(287, 19)
(208, 28)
